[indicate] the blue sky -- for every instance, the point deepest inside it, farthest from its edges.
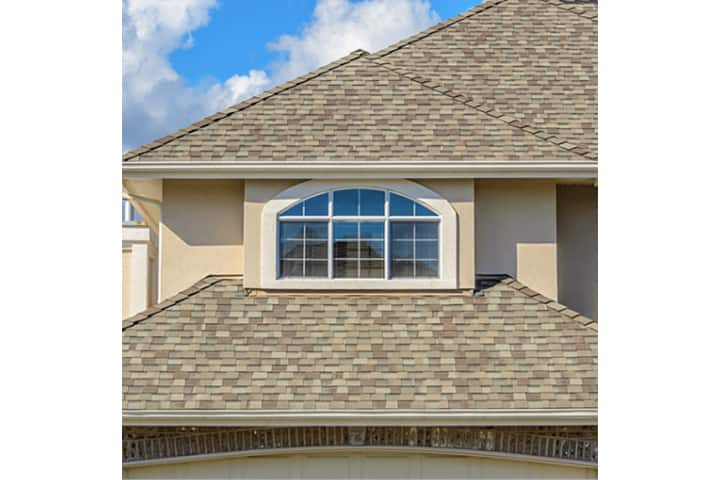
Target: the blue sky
(184, 59)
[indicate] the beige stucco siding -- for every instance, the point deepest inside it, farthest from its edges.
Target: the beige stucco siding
(515, 231)
(362, 465)
(577, 248)
(201, 231)
(461, 195)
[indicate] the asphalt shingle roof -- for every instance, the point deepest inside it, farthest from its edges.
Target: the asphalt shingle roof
(507, 80)
(216, 347)
(532, 60)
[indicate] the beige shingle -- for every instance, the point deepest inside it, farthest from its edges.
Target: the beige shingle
(345, 352)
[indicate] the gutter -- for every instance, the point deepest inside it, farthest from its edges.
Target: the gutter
(292, 418)
(291, 170)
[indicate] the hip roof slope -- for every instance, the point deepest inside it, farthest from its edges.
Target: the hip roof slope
(216, 348)
(533, 59)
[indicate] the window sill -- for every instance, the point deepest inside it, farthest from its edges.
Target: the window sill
(360, 284)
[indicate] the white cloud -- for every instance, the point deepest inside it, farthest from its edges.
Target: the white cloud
(340, 26)
(157, 101)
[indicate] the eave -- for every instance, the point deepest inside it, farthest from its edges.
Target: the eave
(287, 418)
(581, 170)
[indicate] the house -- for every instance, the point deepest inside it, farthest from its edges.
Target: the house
(384, 268)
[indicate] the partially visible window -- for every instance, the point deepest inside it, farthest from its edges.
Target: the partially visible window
(358, 233)
(130, 215)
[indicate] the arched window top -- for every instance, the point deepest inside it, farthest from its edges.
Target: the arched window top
(358, 202)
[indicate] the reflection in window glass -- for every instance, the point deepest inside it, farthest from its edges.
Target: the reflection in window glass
(358, 246)
(359, 249)
(413, 249)
(404, 207)
(303, 249)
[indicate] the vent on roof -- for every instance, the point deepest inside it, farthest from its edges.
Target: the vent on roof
(487, 280)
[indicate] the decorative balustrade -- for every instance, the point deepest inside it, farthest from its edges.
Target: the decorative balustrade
(228, 440)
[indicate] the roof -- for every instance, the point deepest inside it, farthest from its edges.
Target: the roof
(507, 80)
(215, 347)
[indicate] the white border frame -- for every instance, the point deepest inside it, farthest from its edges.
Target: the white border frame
(448, 242)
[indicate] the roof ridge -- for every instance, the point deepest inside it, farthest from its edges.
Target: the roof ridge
(440, 26)
(195, 288)
(278, 89)
(486, 107)
(550, 303)
(568, 7)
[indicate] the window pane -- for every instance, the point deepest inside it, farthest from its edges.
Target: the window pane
(400, 206)
(316, 250)
(401, 250)
(427, 230)
(345, 249)
(291, 249)
(372, 230)
(372, 269)
(426, 250)
(303, 249)
(426, 268)
(345, 230)
(317, 205)
(346, 268)
(291, 268)
(372, 249)
(372, 202)
(345, 202)
(414, 249)
(421, 211)
(316, 230)
(401, 230)
(316, 268)
(295, 211)
(401, 268)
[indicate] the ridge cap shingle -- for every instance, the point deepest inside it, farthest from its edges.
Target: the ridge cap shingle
(249, 102)
(484, 106)
(550, 303)
(440, 26)
(195, 288)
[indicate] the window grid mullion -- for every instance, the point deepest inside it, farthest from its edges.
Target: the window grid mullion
(386, 225)
(331, 234)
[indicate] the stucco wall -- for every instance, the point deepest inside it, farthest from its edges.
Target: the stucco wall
(577, 248)
(201, 231)
(515, 231)
(257, 194)
(359, 465)
(126, 278)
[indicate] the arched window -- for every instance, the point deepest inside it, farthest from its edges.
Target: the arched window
(358, 233)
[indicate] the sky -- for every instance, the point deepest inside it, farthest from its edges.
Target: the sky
(186, 59)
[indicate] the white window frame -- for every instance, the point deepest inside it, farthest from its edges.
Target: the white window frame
(447, 237)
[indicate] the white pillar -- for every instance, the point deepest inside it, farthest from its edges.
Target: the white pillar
(140, 278)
